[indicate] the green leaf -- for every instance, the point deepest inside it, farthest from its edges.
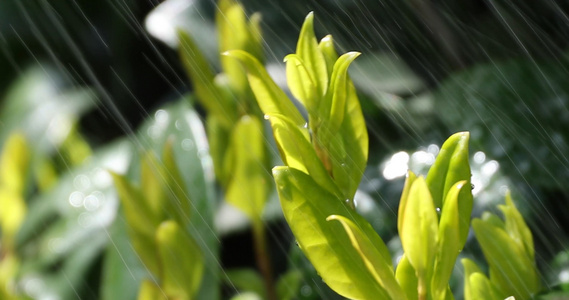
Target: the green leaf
(179, 204)
(300, 83)
(235, 32)
(419, 229)
(181, 261)
(218, 138)
(288, 285)
(404, 199)
(481, 287)
(150, 291)
(449, 244)
(153, 184)
(246, 280)
(326, 46)
(142, 221)
(333, 108)
(249, 184)
(347, 150)
(450, 167)
(378, 265)
(308, 51)
(511, 269)
(270, 97)
(306, 207)
(202, 77)
(469, 268)
(14, 163)
(297, 152)
(407, 278)
(516, 227)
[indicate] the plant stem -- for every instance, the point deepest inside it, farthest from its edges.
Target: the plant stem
(263, 259)
(421, 288)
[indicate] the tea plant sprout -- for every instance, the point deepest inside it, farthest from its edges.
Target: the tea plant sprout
(324, 162)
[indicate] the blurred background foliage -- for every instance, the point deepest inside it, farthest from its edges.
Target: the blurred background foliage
(92, 85)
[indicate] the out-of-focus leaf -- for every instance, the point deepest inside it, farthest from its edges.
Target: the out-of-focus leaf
(469, 268)
(218, 137)
(450, 167)
(378, 265)
(14, 163)
(481, 287)
(249, 184)
(381, 72)
(164, 21)
(9, 266)
(179, 204)
(45, 173)
(270, 97)
(288, 285)
(150, 291)
(449, 241)
(310, 54)
(306, 207)
(516, 227)
(407, 278)
(247, 296)
(123, 270)
(246, 280)
(236, 31)
(180, 125)
(142, 221)
(68, 223)
(181, 261)
(202, 77)
(511, 269)
(74, 147)
(419, 229)
(39, 106)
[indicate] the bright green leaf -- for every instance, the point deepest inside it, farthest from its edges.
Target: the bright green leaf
(326, 46)
(449, 244)
(404, 198)
(308, 51)
(270, 97)
(419, 229)
(407, 278)
(469, 268)
(300, 83)
(306, 207)
(481, 287)
(347, 150)
(378, 265)
(181, 261)
(297, 152)
(333, 108)
(450, 167)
